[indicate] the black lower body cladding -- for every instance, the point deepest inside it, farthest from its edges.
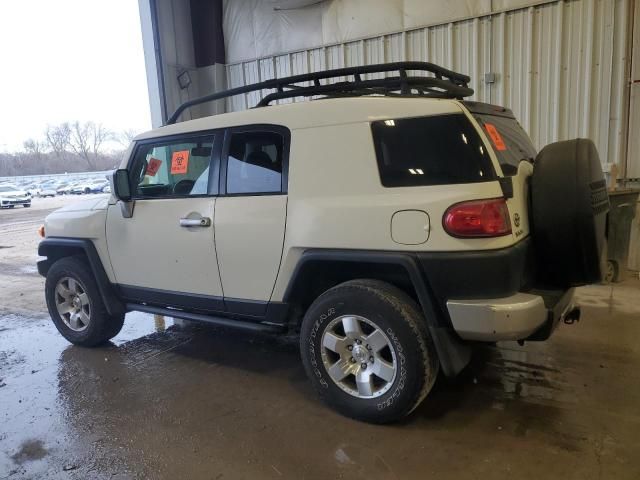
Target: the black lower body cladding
(569, 204)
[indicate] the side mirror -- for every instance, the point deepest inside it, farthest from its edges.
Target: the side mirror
(120, 185)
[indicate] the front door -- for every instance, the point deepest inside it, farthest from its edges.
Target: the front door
(166, 250)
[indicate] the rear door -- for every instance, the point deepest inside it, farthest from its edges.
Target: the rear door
(515, 153)
(250, 215)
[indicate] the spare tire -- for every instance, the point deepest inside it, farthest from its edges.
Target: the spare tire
(569, 205)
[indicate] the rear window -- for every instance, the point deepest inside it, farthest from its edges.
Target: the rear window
(509, 140)
(436, 150)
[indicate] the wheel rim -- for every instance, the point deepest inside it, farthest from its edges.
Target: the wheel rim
(73, 304)
(610, 273)
(358, 356)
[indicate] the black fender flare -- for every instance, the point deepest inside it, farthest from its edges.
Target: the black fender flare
(454, 354)
(55, 248)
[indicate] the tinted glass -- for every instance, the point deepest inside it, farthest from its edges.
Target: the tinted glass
(510, 142)
(437, 150)
(179, 168)
(255, 163)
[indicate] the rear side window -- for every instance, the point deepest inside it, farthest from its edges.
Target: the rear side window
(254, 163)
(509, 140)
(436, 150)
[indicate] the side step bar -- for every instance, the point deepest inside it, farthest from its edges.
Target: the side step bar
(199, 317)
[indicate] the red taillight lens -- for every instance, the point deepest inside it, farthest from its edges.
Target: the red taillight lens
(480, 218)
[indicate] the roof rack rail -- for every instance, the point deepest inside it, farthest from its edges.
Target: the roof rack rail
(443, 84)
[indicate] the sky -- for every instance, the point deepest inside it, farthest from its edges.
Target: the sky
(67, 60)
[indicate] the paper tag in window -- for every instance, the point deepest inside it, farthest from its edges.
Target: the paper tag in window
(496, 138)
(179, 162)
(153, 166)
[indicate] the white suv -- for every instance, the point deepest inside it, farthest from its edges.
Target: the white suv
(390, 223)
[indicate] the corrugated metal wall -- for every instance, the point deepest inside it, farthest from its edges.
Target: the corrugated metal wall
(561, 66)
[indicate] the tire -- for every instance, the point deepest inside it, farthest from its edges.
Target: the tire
(12, 206)
(98, 326)
(386, 311)
(27, 205)
(612, 272)
(569, 205)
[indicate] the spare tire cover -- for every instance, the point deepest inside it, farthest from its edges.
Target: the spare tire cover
(569, 205)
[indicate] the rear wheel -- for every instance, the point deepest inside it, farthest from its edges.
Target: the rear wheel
(75, 304)
(611, 274)
(367, 352)
(26, 205)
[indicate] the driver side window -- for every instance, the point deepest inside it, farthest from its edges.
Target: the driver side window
(172, 169)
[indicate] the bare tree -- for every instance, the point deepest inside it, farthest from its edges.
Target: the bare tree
(33, 147)
(58, 138)
(99, 135)
(67, 147)
(87, 139)
(79, 141)
(125, 137)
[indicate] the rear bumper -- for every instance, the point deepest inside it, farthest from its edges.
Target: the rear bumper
(516, 317)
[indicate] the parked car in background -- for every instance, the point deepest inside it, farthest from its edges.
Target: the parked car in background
(97, 187)
(47, 191)
(11, 195)
(33, 189)
(80, 188)
(64, 189)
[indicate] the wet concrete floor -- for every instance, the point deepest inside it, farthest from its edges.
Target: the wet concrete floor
(168, 401)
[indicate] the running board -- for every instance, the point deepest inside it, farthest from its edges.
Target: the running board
(199, 317)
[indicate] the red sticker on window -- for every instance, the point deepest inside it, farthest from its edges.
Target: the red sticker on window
(153, 166)
(496, 138)
(179, 162)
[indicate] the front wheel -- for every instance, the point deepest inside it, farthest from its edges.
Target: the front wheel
(367, 351)
(75, 304)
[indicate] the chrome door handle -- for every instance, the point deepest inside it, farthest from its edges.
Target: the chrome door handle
(195, 222)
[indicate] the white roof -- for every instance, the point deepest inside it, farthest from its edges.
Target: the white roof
(316, 113)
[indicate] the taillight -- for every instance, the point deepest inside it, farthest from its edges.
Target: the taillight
(479, 218)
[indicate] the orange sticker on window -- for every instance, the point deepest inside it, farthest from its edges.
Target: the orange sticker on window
(496, 138)
(153, 166)
(179, 162)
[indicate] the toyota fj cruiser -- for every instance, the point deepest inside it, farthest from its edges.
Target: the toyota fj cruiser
(391, 223)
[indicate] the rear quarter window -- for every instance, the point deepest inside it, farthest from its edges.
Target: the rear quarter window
(510, 142)
(436, 150)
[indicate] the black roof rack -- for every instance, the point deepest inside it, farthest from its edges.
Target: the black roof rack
(443, 84)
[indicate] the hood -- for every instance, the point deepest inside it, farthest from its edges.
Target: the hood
(86, 205)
